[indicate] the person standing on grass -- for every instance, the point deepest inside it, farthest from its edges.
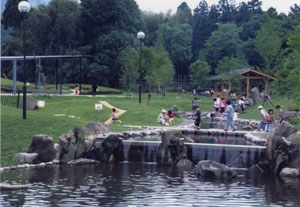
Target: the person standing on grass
(229, 116)
(94, 89)
(197, 115)
(216, 106)
(280, 113)
(222, 105)
(76, 89)
(114, 116)
(194, 104)
(269, 120)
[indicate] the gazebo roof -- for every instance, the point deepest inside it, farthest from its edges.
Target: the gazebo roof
(242, 72)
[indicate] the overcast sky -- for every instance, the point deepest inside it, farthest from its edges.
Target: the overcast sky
(157, 6)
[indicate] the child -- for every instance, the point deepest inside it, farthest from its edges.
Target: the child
(216, 106)
(280, 113)
(269, 120)
(114, 116)
(197, 115)
(171, 118)
(223, 105)
(76, 90)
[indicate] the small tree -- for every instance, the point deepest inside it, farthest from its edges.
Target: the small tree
(199, 73)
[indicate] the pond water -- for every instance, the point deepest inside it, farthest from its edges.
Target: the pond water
(142, 184)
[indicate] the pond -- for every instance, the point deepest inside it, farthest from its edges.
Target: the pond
(142, 184)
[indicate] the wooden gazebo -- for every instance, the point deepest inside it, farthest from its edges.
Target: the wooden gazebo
(247, 74)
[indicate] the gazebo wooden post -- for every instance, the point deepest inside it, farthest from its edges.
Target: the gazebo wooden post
(248, 85)
(266, 85)
(216, 87)
(240, 88)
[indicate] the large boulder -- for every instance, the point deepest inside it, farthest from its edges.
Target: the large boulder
(184, 164)
(283, 148)
(212, 169)
(96, 128)
(108, 148)
(255, 95)
(284, 129)
(43, 145)
(72, 145)
(172, 148)
(30, 158)
(290, 115)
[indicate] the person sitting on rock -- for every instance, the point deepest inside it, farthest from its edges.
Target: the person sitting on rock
(171, 117)
(163, 118)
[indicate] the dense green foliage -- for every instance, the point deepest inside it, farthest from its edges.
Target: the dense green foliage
(225, 35)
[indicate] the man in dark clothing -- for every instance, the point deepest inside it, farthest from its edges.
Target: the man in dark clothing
(94, 89)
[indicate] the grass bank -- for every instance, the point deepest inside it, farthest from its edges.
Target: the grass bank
(62, 113)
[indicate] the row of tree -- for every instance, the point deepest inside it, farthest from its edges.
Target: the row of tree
(208, 41)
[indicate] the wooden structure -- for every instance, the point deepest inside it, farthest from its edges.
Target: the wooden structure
(247, 74)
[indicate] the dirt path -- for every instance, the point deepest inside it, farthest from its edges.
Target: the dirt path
(119, 111)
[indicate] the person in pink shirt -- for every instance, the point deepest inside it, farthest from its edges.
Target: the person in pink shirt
(222, 105)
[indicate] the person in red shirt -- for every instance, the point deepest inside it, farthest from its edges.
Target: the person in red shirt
(171, 117)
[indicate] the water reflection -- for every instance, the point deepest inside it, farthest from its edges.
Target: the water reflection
(139, 184)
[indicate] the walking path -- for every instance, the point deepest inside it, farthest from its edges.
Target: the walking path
(119, 111)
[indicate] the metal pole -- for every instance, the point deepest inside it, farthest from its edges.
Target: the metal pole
(56, 72)
(140, 69)
(24, 66)
(80, 76)
(60, 87)
(39, 78)
(14, 76)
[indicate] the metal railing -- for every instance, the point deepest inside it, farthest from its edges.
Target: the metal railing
(9, 97)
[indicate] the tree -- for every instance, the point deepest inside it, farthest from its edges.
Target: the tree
(226, 64)
(268, 44)
(223, 42)
(11, 15)
(205, 22)
(199, 73)
(177, 40)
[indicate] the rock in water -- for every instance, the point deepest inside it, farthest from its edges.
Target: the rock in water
(184, 164)
(290, 172)
(212, 169)
(43, 145)
(172, 148)
(30, 158)
(72, 145)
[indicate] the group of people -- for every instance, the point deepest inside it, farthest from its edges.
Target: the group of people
(267, 120)
(166, 118)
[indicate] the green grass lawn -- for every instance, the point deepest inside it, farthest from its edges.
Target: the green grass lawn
(16, 133)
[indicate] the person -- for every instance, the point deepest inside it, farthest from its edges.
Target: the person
(114, 116)
(262, 122)
(280, 113)
(216, 106)
(197, 115)
(171, 118)
(269, 120)
(76, 89)
(242, 105)
(94, 89)
(163, 118)
(222, 105)
(194, 104)
(229, 116)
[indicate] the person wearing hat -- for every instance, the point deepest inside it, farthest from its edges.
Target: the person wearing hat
(163, 117)
(262, 123)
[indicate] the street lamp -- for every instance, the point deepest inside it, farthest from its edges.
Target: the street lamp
(140, 36)
(24, 8)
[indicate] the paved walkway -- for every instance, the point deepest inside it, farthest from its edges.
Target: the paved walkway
(119, 111)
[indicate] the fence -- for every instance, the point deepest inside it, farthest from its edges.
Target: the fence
(9, 98)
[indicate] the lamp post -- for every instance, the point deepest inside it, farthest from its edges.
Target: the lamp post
(140, 36)
(24, 8)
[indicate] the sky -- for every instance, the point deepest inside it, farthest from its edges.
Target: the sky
(156, 6)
